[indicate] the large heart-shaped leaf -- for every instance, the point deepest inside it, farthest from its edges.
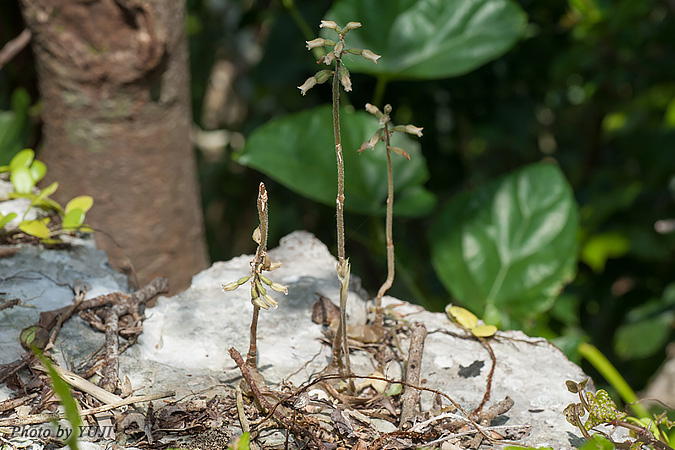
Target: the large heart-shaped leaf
(509, 247)
(298, 151)
(428, 39)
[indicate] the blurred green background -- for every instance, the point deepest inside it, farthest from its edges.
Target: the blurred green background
(589, 84)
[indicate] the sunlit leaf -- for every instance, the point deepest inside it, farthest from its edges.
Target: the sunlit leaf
(462, 316)
(4, 220)
(22, 159)
(35, 228)
(509, 247)
(73, 219)
(83, 202)
(38, 170)
(22, 180)
(46, 192)
(484, 330)
(428, 39)
(298, 150)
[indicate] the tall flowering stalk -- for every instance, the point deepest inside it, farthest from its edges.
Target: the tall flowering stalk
(384, 133)
(261, 262)
(340, 75)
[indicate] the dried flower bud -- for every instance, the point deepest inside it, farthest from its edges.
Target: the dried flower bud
(412, 129)
(374, 110)
(259, 303)
(400, 151)
(328, 24)
(260, 288)
(373, 140)
(351, 26)
(230, 286)
(279, 288)
(387, 108)
(370, 55)
(339, 47)
(270, 301)
(323, 75)
(344, 79)
(307, 85)
(256, 235)
(274, 266)
(327, 59)
(314, 43)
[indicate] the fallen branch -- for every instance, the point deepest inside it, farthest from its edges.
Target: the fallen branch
(289, 424)
(47, 417)
(411, 396)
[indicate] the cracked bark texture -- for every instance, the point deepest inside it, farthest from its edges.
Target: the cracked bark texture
(114, 81)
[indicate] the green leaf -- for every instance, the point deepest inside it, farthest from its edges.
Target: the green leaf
(510, 246)
(36, 228)
(73, 219)
(597, 442)
(429, 39)
(38, 170)
(22, 180)
(298, 151)
(601, 247)
(62, 389)
(22, 159)
(4, 220)
(46, 192)
(647, 331)
(83, 202)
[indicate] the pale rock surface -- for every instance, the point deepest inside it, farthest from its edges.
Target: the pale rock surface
(184, 346)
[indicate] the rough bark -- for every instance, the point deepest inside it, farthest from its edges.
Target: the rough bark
(114, 80)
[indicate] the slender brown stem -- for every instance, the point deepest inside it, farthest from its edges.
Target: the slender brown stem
(340, 201)
(379, 320)
(252, 355)
(256, 269)
(340, 344)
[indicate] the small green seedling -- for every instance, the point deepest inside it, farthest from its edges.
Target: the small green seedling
(602, 410)
(24, 173)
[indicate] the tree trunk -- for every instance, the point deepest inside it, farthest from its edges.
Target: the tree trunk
(114, 80)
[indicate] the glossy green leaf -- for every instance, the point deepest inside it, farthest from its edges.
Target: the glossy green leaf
(429, 39)
(4, 220)
(38, 170)
(22, 180)
(298, 151)
(73, 219)
(22, 159)
(509, 246)
(36, 228)
(83, 202)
